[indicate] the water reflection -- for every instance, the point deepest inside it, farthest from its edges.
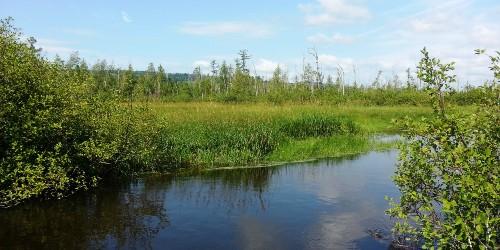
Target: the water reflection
(315, 205)
(107, 218)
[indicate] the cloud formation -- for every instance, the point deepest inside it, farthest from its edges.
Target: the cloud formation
(266, 66)
(125, 17)
(61, 48)
(324, 12)
(335, 38)
(248, 29)
(203, 64)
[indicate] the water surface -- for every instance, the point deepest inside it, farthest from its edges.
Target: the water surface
(326, 204)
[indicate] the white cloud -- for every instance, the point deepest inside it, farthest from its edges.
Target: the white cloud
(125, 17)
(61, 48)
(332, 62)
(487, 35)
(333, 11)
(203, 64)
(450, 31)
(452, 34)
(265, 66)
(335, 38)
(225, 28)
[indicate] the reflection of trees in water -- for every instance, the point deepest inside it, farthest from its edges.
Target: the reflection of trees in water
(131, 215)
(240, 188)
(223, 189)
(118, 217)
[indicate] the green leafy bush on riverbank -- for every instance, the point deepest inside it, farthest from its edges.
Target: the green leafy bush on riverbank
(448, 170)
(57, 135)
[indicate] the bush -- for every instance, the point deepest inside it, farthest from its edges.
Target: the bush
(57, 136)
(448, 172)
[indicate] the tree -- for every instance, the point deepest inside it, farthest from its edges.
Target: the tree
(277, 85)
(214, 71)
(161, 80)
(448, 171)
(73, 61)
(318, 76)
(436, 77)
(329, 80)
(241, 89)
(43, 121)
(340, 78)
(148, 81)
(130, 84)
(225, 76)
(410, 81)
(244, 57)
(278, 81)
(308, 76)
(377, 81)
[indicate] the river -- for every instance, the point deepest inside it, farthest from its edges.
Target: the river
(325, 204)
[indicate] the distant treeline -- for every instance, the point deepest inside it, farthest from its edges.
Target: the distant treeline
(235, 83)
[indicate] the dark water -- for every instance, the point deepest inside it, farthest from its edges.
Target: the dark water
(328, 204)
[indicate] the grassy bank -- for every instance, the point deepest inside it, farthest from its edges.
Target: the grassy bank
(223, 135)
(371, 119)
(334, 146)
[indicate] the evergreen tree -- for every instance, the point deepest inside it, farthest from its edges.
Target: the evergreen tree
(161, 80)
(244, 57)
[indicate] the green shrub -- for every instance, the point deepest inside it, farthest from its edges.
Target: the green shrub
(41, 123)
(58, 136)
(448, 172)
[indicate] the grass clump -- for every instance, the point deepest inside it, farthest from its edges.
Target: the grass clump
(241, 142)
(222, 144)
(316, 125)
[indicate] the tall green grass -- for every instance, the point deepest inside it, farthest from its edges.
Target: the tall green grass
(317, 125)
(224, 135)
(239, 142)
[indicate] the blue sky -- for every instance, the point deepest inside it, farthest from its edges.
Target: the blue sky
(366, 35)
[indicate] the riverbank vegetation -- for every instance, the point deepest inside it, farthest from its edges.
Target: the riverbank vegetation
(448, 169)
(66, 125)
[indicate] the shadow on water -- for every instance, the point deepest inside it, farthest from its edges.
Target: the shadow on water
(105, 218)
(329, 203)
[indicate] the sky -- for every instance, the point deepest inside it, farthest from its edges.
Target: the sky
(362, 36)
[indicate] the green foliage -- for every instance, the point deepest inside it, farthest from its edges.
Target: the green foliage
(435, 74)
(60, 131)
(40, 119)
(240, 142)
(223, 143)
(225, 83)
(63, 127)
(316, 125)
(448, 173)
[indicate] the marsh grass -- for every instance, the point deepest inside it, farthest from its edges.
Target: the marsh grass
(334, 146)
(224, 135)
(371, 119)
